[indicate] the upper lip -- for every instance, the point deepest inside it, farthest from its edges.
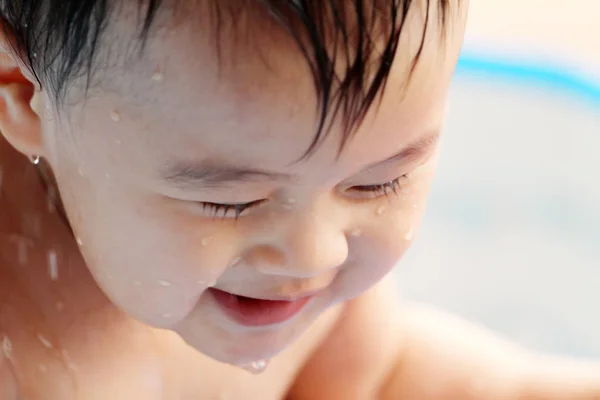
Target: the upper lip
(289, 297)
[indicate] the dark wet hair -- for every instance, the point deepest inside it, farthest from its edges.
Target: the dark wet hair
(59, 41)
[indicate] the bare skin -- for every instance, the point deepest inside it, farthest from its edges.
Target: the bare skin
(110, 299)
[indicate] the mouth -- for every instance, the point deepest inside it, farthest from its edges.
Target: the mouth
(251, 311)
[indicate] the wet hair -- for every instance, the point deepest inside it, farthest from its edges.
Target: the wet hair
(59, 40)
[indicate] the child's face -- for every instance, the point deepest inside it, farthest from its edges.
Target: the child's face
(148, 168)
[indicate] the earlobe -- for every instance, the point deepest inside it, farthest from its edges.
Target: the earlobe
(19, 121)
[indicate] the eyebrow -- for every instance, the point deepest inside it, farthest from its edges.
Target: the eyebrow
(213, 174)
(413, 150)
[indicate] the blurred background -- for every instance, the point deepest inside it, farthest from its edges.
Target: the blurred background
(511, 237)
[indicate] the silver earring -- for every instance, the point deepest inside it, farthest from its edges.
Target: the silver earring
(35, 160)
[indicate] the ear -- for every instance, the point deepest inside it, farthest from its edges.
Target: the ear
(19, 120)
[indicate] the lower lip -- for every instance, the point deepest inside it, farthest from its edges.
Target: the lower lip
(256, 312)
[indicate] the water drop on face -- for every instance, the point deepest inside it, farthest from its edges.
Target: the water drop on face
(51, 200)
(22, 252)
(409, 235)
(47, 343)
(79, 241)
(115, 116)
(59, 306)
(355, 232)
(236, 261)
(53, 265)
(137, 283)
(167, 315)
(257, 367)
(164, 283)
(158, 76)
(380, 210)
(7, 347)
(205, 241)
(43, 368)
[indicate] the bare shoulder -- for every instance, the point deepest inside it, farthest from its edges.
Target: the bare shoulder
(359, 353)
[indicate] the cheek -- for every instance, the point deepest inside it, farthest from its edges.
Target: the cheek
(149, 259)
(390, 231)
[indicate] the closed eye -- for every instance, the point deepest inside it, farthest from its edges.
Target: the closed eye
(379, 190)
(230, 210)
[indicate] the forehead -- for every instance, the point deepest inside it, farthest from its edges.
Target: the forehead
(227, 95)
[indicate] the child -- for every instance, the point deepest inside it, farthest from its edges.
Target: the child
(214, 196)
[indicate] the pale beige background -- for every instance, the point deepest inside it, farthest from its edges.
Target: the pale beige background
(567, 30)
(511, 236)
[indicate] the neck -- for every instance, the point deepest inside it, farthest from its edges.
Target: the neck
(25, 187)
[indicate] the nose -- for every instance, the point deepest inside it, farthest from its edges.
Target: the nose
(311, 246)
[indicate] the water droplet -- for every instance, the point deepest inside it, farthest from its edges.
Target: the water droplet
(79, 241)
(67, 359)
(291, 200)
(53, 265)
(59, 306)
(167, 315)
(415, 205)
(158, 76)
(256, 367)
(355, 232)
(35, 159)
(409, 235)
(7, 347)
(137, 283)
(164, 283)
(205, 241)
(43, 368)
(47, 343)
(380, 210)
(107, 176)
(236, 261)
(80, 171)
(23, 253)
(115, 116)
(51, 200)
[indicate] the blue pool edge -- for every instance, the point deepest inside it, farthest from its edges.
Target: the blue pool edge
(546, 75)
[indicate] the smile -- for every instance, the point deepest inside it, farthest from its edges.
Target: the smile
(249, 311)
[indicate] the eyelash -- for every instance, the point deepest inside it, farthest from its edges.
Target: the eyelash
(374, 191)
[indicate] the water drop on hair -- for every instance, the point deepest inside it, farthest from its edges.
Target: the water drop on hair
(35, 160)
(257, 367)
(53, 265)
